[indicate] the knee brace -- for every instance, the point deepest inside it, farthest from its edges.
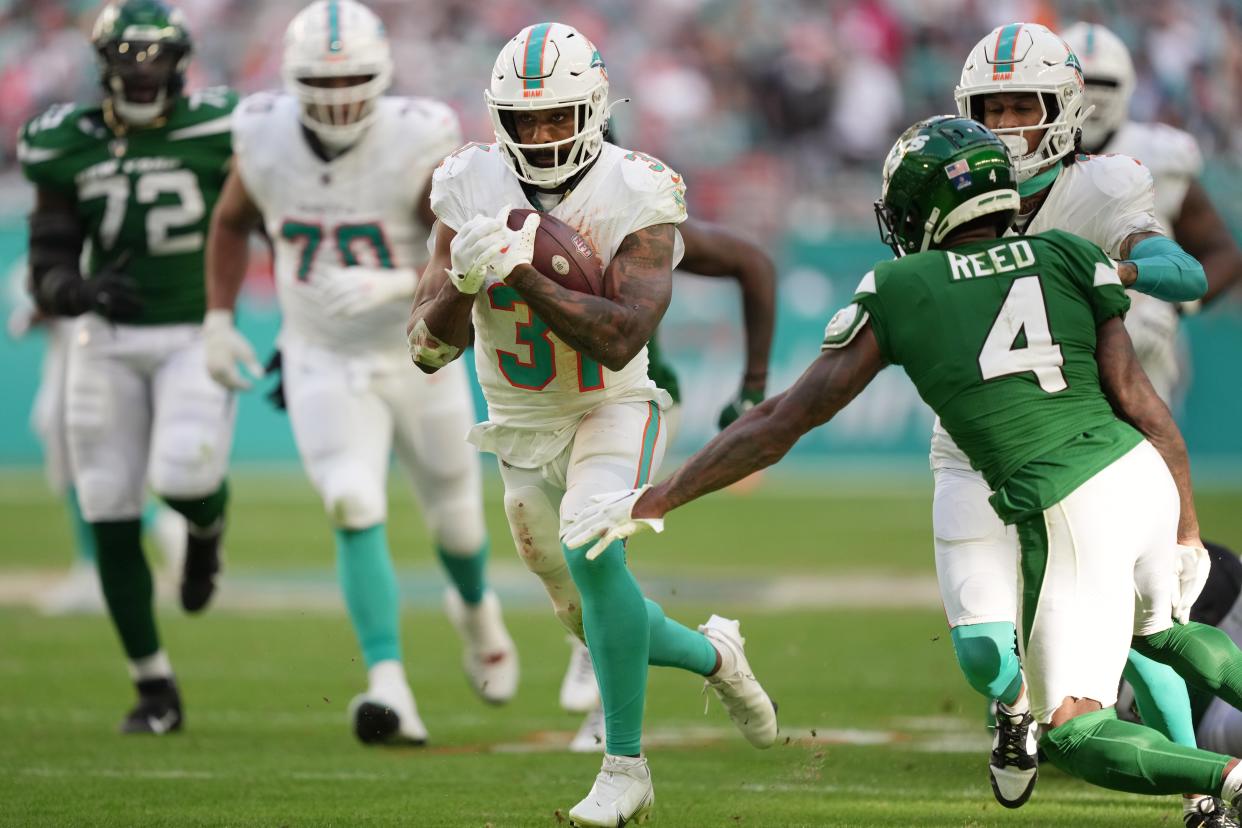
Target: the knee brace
(986, 655)
(536, 535)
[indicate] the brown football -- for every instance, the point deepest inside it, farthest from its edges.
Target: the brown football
(562, 254)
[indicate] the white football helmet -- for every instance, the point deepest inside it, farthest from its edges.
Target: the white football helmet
(1109, 75)
(336, 39)
(547, 66)
(1027, 57)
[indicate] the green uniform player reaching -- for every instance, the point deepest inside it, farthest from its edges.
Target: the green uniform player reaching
(133, 181)
(1019, 346)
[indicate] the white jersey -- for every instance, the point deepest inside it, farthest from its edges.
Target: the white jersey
(537, 387)
(359, 209)
(1105, 199)
(1175, 161)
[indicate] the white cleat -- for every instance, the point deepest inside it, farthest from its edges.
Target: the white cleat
(78, 593)
(579, 689)
(386, 713)
(490, 658)
(591, 735)
(622, 795)
(1013, 767)
(739, 691)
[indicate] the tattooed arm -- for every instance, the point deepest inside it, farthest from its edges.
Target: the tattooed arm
(1135, 401)
(610, 329)
(769, 430)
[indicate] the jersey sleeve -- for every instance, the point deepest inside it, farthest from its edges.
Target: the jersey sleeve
(865, 309)
(658, 192)
(1128, 201)
(45, 147)
(248, 122)
(1094, 272)
(449, 183)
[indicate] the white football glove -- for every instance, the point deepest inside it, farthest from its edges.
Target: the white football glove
(1192, 567)
(225, 348)
(519, 245)
(352, 291)
(608, 519)
(472, 250)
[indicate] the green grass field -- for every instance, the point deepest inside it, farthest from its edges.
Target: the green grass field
(880, 728)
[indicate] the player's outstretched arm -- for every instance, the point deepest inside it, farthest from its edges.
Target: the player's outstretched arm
(714, 251)
(228, 253)
(766, 433)
(228, 243)
(613, 328)
(1202, 232)
(439, 326)
(1133, 398)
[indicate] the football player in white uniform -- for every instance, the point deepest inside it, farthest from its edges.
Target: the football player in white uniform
(1182, 205)
(1024, 82)
(337, 174)
(573, 412)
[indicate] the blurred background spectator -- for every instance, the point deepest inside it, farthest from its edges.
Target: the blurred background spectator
(776, 111)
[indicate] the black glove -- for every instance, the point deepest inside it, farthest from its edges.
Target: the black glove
(111, 292)
(273, 369)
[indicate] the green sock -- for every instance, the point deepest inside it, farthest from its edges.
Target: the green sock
(126, 581)
(468, 572)
(674, 645)
(83, 537)
(1204, 656)
(1162, 699)
(612, 606)
(1122, 756)
(202, 512)
(370, 587)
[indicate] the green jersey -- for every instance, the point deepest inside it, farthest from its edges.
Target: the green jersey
(999, 338)
(147, 194)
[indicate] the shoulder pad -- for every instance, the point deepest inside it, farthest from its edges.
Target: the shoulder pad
(54, 135)
(1172, 151)
(1117, 176)
(456, 162)
(647, 174)
(211, 102)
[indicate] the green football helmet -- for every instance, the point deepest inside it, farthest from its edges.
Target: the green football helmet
(144, 49)
(943, 172)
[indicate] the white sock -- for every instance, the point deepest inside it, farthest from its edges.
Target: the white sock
(154, 666)
(387, 673)
(1190, 802)
(1020, 707)
(1233, 785)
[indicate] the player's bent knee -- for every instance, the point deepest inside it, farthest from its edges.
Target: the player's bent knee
(353, 501)
(457, 525)
(188, 465)
(536, 529)
(986, 655)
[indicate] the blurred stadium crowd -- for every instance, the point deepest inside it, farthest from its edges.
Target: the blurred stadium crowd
(776, 110)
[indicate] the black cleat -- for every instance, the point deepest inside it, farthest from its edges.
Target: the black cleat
(1013, 767)
(375, 723)
(1210, 812)
(202, 564)
(158, 710)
